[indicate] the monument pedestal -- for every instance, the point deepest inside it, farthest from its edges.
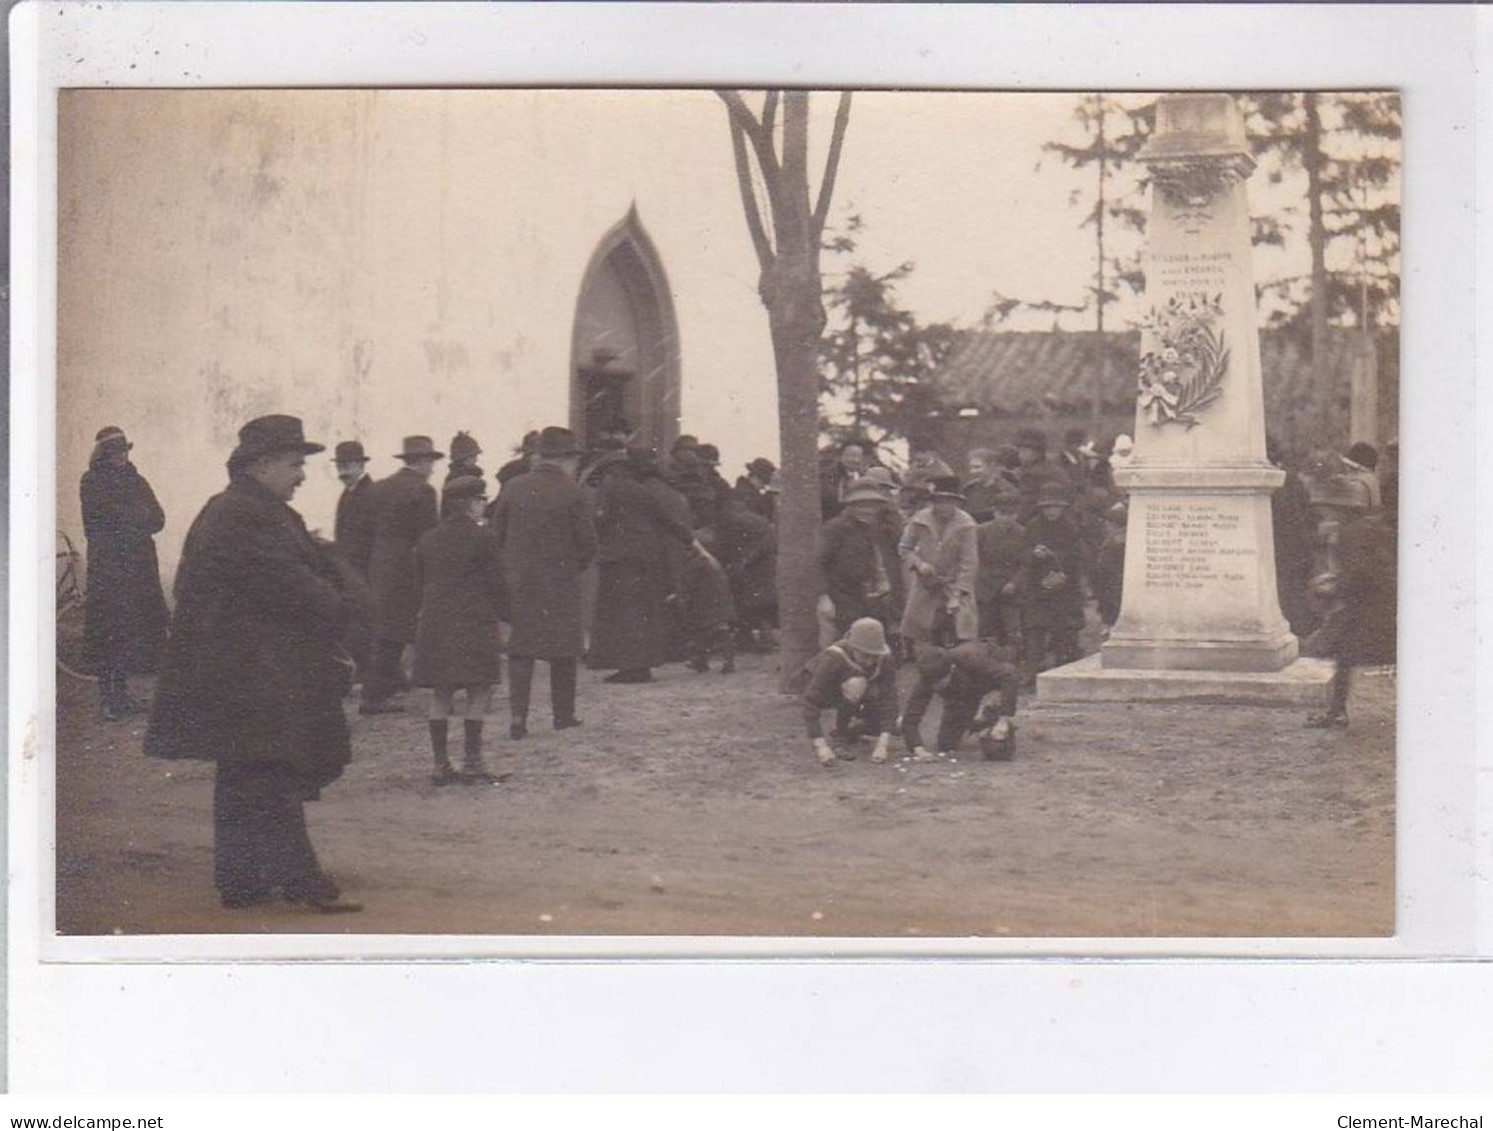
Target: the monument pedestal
(1303, 683)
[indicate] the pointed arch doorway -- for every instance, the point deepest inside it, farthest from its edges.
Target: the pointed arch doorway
(624, 354)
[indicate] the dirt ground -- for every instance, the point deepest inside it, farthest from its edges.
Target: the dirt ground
(694, 806)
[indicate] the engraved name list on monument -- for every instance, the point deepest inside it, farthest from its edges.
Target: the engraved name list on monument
(1194, 544)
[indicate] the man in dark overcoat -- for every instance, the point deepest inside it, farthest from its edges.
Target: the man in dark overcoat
(353, 530)
(353, 537)
(859, 569)
(253, 678)
(1052, 591)
(643, 528)
(752, 492)
(1002, 547)
(125, 611)
(404, 507)
(1362, 627)
(546, 533)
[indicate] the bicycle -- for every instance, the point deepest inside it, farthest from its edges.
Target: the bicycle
(71, 606)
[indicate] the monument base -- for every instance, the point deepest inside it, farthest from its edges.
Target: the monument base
(1303, 683)
(1260, 654)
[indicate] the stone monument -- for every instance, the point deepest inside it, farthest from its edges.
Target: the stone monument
(1200, 615)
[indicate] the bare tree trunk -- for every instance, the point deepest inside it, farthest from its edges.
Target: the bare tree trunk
(1102, 380)
(793, 293)
(1312, 160)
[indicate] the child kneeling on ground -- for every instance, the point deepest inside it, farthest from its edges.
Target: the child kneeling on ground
(978, 681)
(857, 677)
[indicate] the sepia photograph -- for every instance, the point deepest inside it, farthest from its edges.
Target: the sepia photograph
(786, 513)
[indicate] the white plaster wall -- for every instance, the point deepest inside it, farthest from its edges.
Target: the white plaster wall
(378, 263)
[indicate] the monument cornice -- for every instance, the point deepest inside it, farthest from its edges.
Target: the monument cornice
(1197, 177)
(1201, 479)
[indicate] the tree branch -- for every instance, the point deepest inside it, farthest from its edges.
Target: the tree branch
(831, 165)
(749, 195)
(761, 141)
(770, 113)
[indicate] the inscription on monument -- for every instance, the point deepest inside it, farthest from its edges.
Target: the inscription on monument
(1207, 271)
(1192, 545)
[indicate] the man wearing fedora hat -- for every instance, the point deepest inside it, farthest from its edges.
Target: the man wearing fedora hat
(353, 529)
(545, 530)
(751, 489)
(404, 507)
(125, 616)
(253, 678)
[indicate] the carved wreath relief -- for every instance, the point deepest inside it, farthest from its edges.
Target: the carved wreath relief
(1183, 371)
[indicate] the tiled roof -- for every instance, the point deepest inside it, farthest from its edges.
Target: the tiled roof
(1010, 372)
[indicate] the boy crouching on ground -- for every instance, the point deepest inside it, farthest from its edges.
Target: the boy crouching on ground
(978, 681)
(857, 677)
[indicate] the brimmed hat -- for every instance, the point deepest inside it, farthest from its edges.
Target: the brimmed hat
(419, 447)
(463, 447)
(867, 635)
(557, 443)
(946, 487)
(349, 451)
(110, 439)
(272, 435)
(686, 443)
(1053, 495)
(710, 454)
(465, 487)
(882, 478)
(762, 468)
(863, 491)
(1123, 445)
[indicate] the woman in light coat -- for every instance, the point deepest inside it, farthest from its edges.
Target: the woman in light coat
(939, 550)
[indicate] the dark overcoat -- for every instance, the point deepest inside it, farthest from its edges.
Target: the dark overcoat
(353, 532)
(848, 554)
(758, 500)
(125, 612)
(252, 671)
(404, 507)
(544, 526)
(459, 574)
(1065, 555)
(644, 530)
(746, 545)
(1362, 628)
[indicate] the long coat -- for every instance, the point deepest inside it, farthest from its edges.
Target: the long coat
(855, 559)
(459, 574)
(404, 507)
(1363, 627)
(544, 527)
(125, 613)
(643, 535)
(1052, 608)
(746, 545)
(252, 672)
(950, 549)
(356, 521)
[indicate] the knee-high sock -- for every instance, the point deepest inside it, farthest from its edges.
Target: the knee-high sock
(520, 682)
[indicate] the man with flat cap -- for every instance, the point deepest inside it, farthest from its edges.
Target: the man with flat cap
(546, 533)
(125, 614)
(253, 677)
(404, 507)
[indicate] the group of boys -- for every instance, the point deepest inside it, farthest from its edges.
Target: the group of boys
(1048, 534)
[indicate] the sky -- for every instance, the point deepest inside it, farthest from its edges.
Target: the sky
(916, 167)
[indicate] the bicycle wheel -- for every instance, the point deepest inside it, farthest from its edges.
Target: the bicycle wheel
(70, 609)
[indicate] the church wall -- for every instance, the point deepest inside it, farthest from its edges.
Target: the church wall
(378, 263)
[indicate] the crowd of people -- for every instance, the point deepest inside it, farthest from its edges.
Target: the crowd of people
(626, 559)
